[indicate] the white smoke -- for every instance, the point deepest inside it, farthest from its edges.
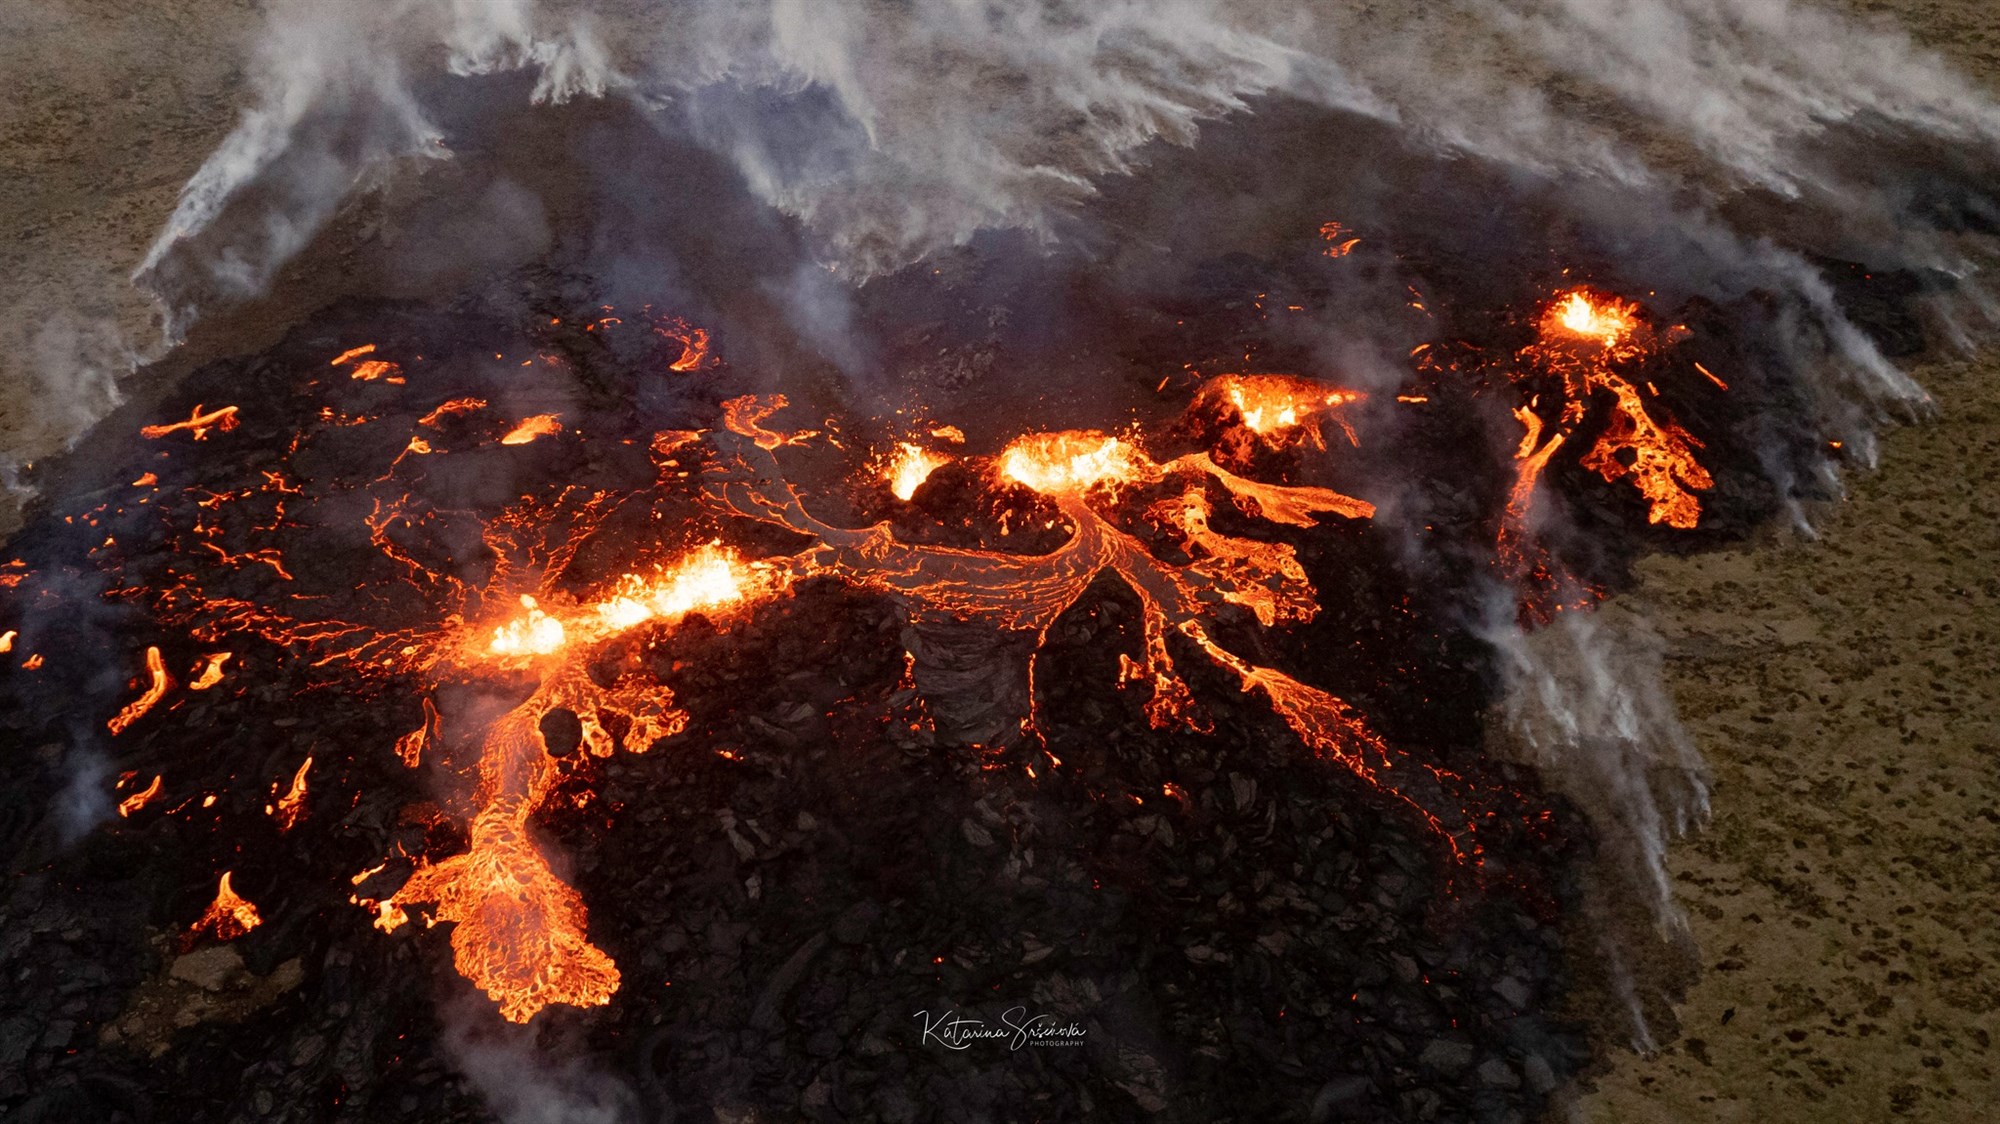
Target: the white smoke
(76, 364)
(1585, 704)
(336, 102)
(527, 1081)
(894, 129)
(1749, 81)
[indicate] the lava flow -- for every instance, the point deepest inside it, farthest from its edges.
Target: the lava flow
(1584, 337)
(229, 916)
(1279, 407)
(156, 671)
(519, 930)
(496, 596)
(1084, 474)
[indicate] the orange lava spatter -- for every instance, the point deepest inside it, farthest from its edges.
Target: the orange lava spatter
(909, 466)
(1280, 408)
(228, 917)
(1584, 336)
(529, 429)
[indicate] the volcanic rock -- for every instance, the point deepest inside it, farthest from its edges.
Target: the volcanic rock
(210, 969)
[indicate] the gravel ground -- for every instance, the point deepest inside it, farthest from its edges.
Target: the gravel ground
(1843, 896)
(1842, 691)
(105, 110)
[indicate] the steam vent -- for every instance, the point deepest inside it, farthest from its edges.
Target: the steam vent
(999, 560)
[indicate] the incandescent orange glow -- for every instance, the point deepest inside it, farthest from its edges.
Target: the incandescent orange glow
(694, 345)
(455, 406)
(519, 929)
(1338, 244)
(1071, 461)
(708, 578)
(1658, 456)
(198, 424)
(1606, 320)
(291, 805)
(145, 480)
(516, 929)
(1582, 337)
(1272, 404)
(745, 415)
(536, 634)
(139, 800)
(389, 916)
(228, 917)
(32, 662)
(410, 747)
(1028, 593)
(7, 640)
(375, 369)
(911, 465)
(541, 425)
(156, 668)
(352, 353)
(211, 672)
(1521, 557)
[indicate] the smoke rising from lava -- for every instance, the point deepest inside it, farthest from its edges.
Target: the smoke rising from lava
(892, 131)
(887, 133)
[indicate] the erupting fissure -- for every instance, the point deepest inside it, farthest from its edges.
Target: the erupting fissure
(518, 930)
(1584, 337)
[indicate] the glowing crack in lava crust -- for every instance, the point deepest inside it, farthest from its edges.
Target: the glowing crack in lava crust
(518, 931)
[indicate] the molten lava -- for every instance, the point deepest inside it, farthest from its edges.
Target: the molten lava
(1658, 456)
(290, 806)
(156, 689)
(1608, 321)
(377, 370)
(536, 634)
(1027, 593)
(1583, 338)
(197, 425)
(540, 425)
(1058, 464)
(1279, 408)
(228, 916)
(141, 798)
(708, 578)
(1338, 243)
(454, 406)
(1169, 525)
(909, 467)
(694, 347)
(211, 672)
(410, 747)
